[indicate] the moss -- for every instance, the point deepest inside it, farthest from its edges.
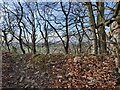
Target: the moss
(39, 58)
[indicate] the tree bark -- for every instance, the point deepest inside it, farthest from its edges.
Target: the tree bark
(79, 47)
(67, 37)
(46, 39)
(20, 40)
(93, 29)
(101, 29)
(33, 41)
(6, 41)
(20, 34)
(66, 47)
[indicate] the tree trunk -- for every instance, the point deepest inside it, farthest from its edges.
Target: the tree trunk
(67, 37)
(46, 39)
(99, 44)
(117, 41)
(79, 47)
(92, 24)
(117, 59)
(6, 42)
(20, 34)
(101, 30)
(20, 41)
(118, 51)
(47, 46)
(66, 49)
(33, 41)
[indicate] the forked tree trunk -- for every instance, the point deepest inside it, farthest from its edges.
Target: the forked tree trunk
(101, 29)
(92, 24)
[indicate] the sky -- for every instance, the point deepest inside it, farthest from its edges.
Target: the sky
(62, 0)
(60, 14)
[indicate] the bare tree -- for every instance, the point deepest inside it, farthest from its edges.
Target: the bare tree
(93, 28)
(65, 43)
(32, 23)
(66, 22)
(101, 30)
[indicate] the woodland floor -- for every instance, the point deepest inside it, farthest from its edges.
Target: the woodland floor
(58, 71)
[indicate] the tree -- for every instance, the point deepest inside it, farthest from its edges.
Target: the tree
(66, 13)
(101, 29)
(32, 23)
(19, 21)
(66, 25)
(93, 27)
(44, 32)
(116, 40)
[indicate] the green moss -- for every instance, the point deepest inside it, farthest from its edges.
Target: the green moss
(39, 58)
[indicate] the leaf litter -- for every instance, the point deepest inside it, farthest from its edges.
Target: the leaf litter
(58, 71)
